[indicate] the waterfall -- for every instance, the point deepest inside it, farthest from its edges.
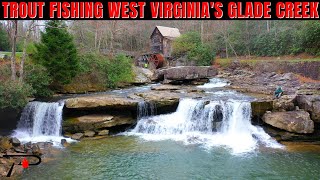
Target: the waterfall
(40, 122)
(211, 123)
(146, 109)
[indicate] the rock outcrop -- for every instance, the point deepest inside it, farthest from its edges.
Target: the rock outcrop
(259, 108)
(94, 123)
(292, 121)
(161, 99)
(77, 136)
(311, 104)
(183, 73)
(101, 101)
(285, 103)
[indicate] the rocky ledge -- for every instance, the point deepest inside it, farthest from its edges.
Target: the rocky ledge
(12, 146)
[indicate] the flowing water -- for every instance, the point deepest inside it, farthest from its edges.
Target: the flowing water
(40, 122)
(215, 83)
(129, 157)
(146, 109)
(209, 123)
(210, 138)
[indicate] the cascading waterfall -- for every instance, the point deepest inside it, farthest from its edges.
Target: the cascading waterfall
(146, 109)
(215, 83)
(40, 122)
(211, 123)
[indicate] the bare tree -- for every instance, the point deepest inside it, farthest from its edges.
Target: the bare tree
(12, 29)
(24, 54)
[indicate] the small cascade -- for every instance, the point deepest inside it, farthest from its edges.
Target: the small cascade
(212, 123)
(214, 83)
(146, 109)
(40, 122)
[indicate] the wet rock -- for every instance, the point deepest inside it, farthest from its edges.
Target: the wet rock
(101, 101)
(311, 104)
(15, 142)
(19, 149)
(103, 133)
(64, 142)
(89, 133)
(36, 150)
(77, 136)
(165, 88)
(198, 82)
(292, 121)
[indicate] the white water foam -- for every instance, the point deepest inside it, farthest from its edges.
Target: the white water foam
(214, 83)
(41, 122)
(211, 123)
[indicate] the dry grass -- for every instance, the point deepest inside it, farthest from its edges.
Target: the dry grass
(304, 79)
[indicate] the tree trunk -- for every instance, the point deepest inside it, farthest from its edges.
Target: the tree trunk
(14, 45)
(24, 55)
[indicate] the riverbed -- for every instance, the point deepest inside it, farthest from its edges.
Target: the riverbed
(129, 157)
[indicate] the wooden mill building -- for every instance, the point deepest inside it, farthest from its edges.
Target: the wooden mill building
(162, 38)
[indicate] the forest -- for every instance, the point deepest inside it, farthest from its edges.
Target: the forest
(42, 58)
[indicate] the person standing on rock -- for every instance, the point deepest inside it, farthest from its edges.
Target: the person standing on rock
(278, 93)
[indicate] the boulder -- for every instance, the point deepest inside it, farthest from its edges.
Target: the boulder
(285, 103)
(182, 73)
(100, 101)
(89, 133)
(15, 142)
(77, 136)
(103, 133)
(64, 142)
(142, 75)
(311, 104)
(292, 121)
(36, 150)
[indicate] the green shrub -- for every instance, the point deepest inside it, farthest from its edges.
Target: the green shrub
(107, 70)
(119, 69)
(202, 55)
(190, 44)
(14, 94)
(38, 77)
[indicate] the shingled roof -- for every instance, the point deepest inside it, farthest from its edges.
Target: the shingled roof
(169, 32)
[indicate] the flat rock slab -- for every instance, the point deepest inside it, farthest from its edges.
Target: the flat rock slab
(186, 73)
(95, 123)
(162, 98)
(292, 121)
(100, 101)
(94, 118)
(165, 88)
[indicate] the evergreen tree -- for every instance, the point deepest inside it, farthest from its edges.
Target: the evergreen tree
(4, 39)
(57, 52)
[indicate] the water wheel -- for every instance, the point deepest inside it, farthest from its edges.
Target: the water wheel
(157, 60)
